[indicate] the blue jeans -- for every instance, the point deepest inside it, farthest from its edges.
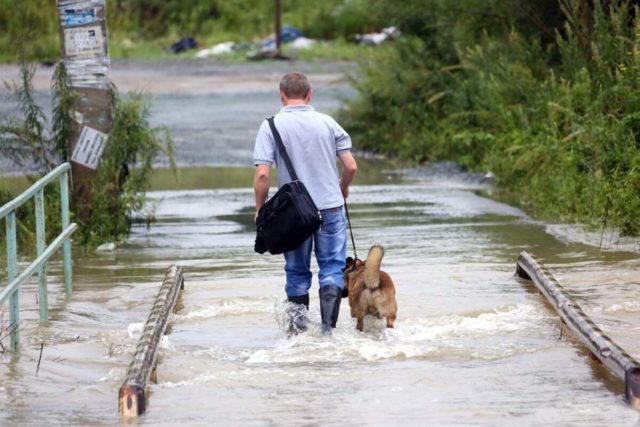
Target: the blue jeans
(331, 250)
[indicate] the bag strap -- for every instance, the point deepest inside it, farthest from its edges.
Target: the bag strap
(282, 149)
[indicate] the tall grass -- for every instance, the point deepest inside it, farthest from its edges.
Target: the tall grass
(557, 122)
(136, 25)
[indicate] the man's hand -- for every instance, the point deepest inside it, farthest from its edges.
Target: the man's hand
(344, 189)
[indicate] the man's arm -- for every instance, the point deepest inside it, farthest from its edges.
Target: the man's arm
(261, 185)
(349, 169)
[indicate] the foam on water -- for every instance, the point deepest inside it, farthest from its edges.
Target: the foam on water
(135, 330)
(226, 307)
(624, 307)
(201, 379)
(115, 375)
(412, 338)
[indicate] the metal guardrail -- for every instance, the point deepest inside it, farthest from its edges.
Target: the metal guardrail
(603, 348)
(8, 211)
(132, 397)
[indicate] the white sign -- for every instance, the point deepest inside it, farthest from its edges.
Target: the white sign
(89, 147)
(84, 41)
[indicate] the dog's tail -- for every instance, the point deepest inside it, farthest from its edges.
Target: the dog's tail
(372, 267)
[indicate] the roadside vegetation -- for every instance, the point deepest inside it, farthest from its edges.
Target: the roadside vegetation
(125, 169)
(147, 28)
(544, 94)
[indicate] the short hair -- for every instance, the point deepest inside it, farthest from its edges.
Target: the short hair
(295, 85)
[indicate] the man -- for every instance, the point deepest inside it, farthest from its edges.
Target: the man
(313, 142)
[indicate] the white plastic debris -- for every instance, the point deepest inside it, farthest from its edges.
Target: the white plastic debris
(377, 38)
(218, 49)
(106, 247)
(303, 43)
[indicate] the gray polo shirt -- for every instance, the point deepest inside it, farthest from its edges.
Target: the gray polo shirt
(313, 140)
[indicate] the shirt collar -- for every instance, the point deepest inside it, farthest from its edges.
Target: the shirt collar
(291, 108)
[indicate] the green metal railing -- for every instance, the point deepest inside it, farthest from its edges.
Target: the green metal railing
(43, 253)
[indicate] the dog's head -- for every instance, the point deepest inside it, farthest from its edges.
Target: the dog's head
(351, 268)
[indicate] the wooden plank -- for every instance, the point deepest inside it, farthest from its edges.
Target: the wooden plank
(132, 394)
(614, 357)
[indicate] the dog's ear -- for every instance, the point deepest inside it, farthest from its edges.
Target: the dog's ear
(347, 263)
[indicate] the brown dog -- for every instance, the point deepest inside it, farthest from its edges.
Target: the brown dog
(370, 290)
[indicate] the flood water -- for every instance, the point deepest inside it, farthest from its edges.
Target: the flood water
(473, 345)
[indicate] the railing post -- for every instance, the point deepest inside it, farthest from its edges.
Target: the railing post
(12, 272)
(43, 299)
(66, 246)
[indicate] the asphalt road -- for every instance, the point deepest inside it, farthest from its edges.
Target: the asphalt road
(212, 109)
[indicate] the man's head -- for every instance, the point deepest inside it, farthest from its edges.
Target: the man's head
(295, 89)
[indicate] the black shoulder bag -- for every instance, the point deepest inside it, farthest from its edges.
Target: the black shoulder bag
(290, 216)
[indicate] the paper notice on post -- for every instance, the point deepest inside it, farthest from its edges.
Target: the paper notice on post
(84, 42)
(89, 147)
(72, 17)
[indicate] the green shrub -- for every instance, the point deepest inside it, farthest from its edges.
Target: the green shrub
(556, 122)
(124, 171)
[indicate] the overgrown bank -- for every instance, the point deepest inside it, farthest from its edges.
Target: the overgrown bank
(124, 172)
(549, 102)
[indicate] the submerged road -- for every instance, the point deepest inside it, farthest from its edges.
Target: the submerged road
(473, 344)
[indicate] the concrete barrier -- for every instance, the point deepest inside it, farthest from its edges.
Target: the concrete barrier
(132, 395)
(600, 345)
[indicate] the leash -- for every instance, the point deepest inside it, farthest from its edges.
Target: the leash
(353, 242)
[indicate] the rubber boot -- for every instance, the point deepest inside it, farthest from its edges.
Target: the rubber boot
(330, 297)
(298, 313)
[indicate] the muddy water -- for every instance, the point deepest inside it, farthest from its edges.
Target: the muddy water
(473, 344)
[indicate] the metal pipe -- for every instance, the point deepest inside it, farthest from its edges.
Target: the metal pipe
(43, 300)
(131, 397)
(14, 284)
(12, 271)
(30, 192)
(600, 345)
(66, 246)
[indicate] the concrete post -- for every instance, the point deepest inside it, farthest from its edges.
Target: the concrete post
(83, 34)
